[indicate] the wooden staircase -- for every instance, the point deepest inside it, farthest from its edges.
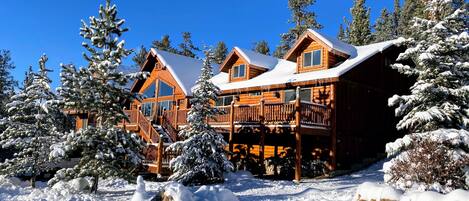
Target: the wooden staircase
(156, 159)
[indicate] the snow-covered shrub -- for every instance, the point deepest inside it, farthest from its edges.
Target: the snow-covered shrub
(435, 161)
(177, 192)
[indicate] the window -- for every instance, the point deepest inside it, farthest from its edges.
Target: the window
(164, 105)
(239, 71)
(257, 93)
(147, 109)
(224, 100)
(150, 91)
(164, 89)
(290, 95)
(312, 58)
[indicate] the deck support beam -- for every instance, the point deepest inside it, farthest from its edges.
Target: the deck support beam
(298, 136)
(159, 160)
(333, 151)
(262, 137)
(232, 129)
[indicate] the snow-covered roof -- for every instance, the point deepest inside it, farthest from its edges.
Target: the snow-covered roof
(185, 70)
(285, 71)
(334, 43)
(257, 59)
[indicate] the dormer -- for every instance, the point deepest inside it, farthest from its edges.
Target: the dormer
(242, 64)
(314, 51)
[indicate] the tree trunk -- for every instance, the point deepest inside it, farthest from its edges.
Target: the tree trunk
(33, 181)
(94, 187)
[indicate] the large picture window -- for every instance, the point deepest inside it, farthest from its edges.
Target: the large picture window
(150, 91)
(164, 89)
(312, 58)
(239, 71)
(290, 95)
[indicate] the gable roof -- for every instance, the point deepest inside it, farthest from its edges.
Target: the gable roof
(334, 45)
(252, 58)
(285, 71)
(185, 70)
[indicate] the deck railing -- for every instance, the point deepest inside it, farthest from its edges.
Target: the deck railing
(312, 114)
(137, 117)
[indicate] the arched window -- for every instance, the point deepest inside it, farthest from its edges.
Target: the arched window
(164, 89)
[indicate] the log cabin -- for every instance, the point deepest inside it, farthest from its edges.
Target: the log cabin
(326, 99)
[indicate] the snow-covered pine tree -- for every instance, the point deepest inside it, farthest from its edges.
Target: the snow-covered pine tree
(395, 18)
(303, 19)
(187, 47)
(220, 52)
(164, 44)
(7, 83)
(31, 127)
(341, 35)
(203, 157)
(437, 108)
(359, 31)
(140, 57)
(261, 47)
(99, 89)
(384, 27)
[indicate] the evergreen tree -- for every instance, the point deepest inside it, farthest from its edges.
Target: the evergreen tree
(202, 158)
(395, 18)
(220, 53)
(31, 126)
(303, 19)
(341, 35)
(7, 83)
(261, 47)
(140, 57)
(411, 9)
(384, 27)
(440, 97)
(99, 89)
(164, 44)
(359, 31)
(187, 48)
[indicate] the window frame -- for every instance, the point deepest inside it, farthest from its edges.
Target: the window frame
(255, 93)
(236, 73)
(222, 100)
(159, 88)
(312, 58)
(294, 95)
(152, 85)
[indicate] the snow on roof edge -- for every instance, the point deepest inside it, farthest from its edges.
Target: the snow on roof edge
(335, 43)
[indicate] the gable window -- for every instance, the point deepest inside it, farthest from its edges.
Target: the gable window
(164, 89)
(239, 71)
(224, 100)
(290, 95)
(150, 91)
(312, 58)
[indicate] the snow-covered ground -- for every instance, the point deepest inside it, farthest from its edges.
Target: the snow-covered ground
(242, 184)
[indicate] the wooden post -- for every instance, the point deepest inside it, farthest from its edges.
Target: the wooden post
(176, 116)
(138, 114)
(262, 137)
(333, 124)
(159, 162)
(232, 128)
(276, 157)
(298, 136)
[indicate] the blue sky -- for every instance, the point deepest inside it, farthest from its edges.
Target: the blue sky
(30, 28)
